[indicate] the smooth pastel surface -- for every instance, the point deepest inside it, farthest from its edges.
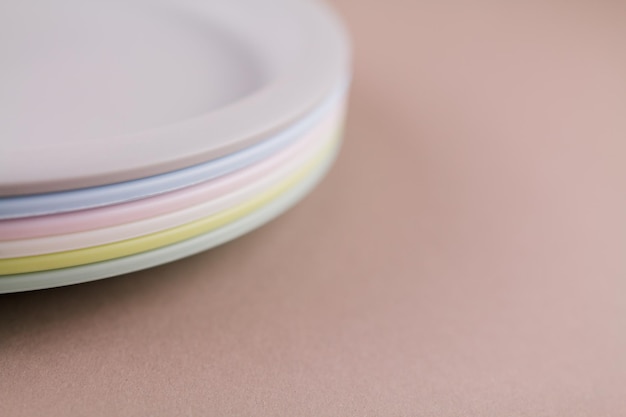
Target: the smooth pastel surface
(79, 221)
(158, 239)
(176, 84)
(65, 201)
(150, 225)
(170, 253)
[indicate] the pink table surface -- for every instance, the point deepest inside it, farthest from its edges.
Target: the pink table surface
(466, 256)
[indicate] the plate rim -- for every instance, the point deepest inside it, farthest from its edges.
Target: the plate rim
(144, 243)
(171, 253)
(228, 199)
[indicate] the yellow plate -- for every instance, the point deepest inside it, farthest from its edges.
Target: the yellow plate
(156, 240)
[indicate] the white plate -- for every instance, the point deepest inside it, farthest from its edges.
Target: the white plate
(97, 92)
(92, 272)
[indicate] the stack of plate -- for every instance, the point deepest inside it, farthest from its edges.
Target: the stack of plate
(138, 132)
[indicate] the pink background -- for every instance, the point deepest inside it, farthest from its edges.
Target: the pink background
(466, 257)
